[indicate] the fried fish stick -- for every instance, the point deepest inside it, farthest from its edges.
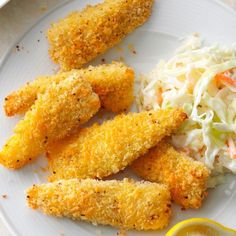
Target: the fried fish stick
(114, 83)
(101, 150)
(59, 111)
(123, 204)
(185, 177)
(82, 36)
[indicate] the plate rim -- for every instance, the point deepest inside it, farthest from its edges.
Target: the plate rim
(3, 217)
(4, 3)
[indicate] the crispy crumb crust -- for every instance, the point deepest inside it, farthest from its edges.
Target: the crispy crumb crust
(185, 177)
(114, 83)
(55, 114)
(101, 150)
(82, 36)
(124, 204)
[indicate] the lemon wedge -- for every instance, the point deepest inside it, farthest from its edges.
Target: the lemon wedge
(200, 227)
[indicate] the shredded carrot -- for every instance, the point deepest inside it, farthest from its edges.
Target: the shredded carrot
(159, 95)
(223, 78)
(231, 148)
(179, 64)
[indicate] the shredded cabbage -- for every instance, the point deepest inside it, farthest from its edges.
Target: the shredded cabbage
(201, 80)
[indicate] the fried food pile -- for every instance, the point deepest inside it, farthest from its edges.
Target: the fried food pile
(112, 82)
(124, 204)
(82, 36)
(56, 113)
(185, 177)
(80, 158)
(101, 150)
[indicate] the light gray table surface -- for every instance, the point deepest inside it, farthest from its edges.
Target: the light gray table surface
(16, 17)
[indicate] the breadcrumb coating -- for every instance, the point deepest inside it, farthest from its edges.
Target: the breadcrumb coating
(124, 204)
(55, 114)
(101, 150)
(82, 36)
(114, 83)
(185, 177)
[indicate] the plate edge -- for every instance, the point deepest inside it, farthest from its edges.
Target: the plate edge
(3, 217)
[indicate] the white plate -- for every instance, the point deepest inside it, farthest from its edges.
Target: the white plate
(155, 40)
(3, 2)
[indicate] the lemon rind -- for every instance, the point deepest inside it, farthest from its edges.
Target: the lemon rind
(180, 225)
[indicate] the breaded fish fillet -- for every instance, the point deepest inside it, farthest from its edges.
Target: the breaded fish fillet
(56, 113)
(101, 150)
(113, 83)
(125, 204)
(185, 177)
(82, 36)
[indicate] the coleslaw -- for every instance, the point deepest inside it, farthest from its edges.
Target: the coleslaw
(201, 80)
